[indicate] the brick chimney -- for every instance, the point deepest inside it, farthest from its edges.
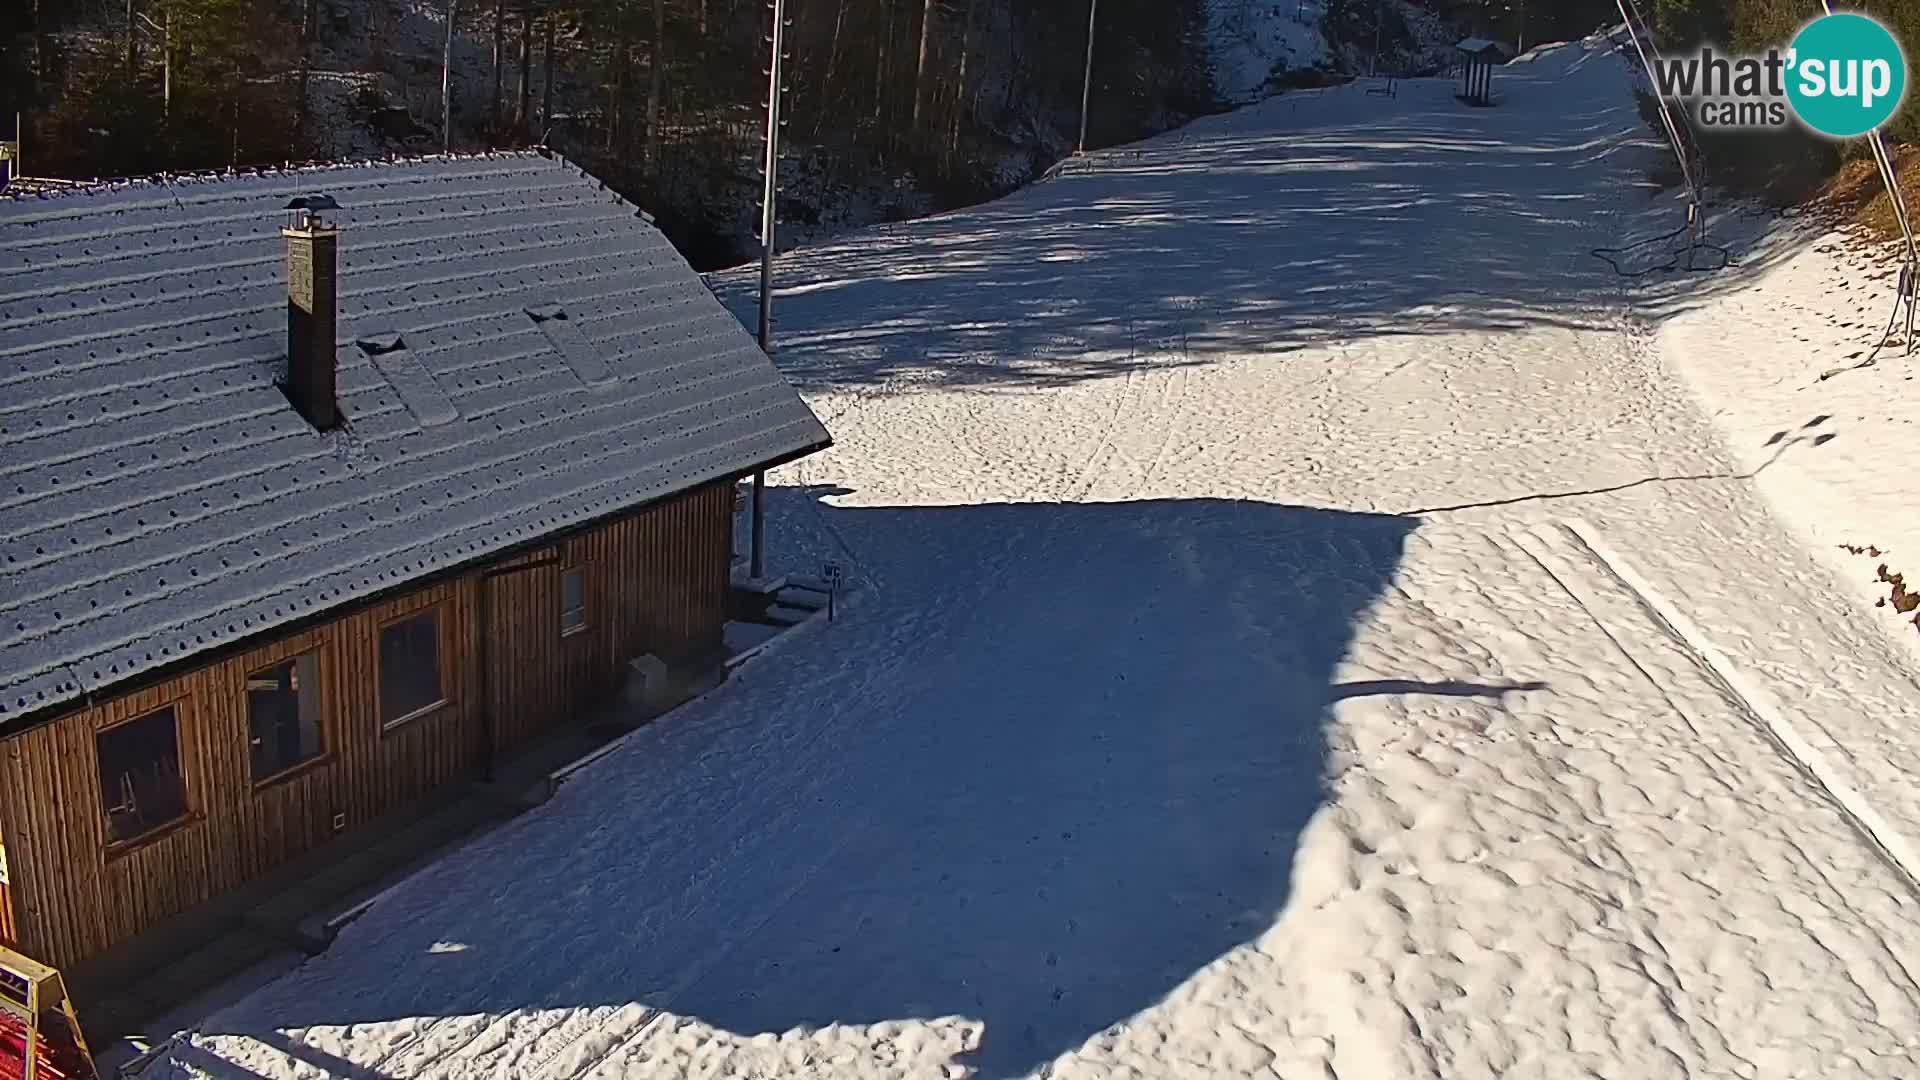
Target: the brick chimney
(313, 260)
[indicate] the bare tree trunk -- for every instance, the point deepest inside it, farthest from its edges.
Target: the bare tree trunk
(166, 66)
(446, 80)
(920, 65)
(40, 73)
(133, 49)
(960, 83)
(309, 25)
(1016, 68)
(499, 64)
(1086, 85)
(617, 104)
(378, 20)
(833, 67)
(880, 63)
(546, 80)
(522, 110)
(657, 65)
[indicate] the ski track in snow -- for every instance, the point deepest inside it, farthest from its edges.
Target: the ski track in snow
(1293, 645)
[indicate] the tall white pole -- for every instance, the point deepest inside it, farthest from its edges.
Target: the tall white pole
(1086, 85)
(756, 566)
(771, 193)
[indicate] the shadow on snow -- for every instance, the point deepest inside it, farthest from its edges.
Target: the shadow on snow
(1265, 231)
(1054, 766)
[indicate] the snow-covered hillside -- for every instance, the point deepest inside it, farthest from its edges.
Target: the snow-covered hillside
(374, 91)
(1250, 39)
(1256, 45)
(1431, 49)
(1306, 629)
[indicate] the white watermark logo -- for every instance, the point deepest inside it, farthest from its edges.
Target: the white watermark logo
(1842, 76)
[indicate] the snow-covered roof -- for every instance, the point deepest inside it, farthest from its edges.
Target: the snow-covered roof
(160, 497)
(1478, 45)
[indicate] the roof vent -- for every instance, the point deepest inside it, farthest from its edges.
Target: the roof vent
(419, 391)
(313, 258)
(580, 354)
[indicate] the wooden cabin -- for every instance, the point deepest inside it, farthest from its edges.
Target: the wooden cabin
(321, 488)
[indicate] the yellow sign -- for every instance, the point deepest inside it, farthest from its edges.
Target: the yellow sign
(39, 1033)
(9, 151)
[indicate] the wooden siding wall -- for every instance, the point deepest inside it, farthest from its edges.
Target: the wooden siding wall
(653, 580)
(9, 927)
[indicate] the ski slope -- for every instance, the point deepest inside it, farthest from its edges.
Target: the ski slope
(1306, 629)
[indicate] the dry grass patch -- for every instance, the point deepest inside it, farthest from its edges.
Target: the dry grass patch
(1855, 196)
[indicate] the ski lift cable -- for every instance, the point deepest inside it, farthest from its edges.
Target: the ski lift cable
(1685, 256)
(1684, 149)
(1877, 142)
(1884, 160)
(1910, 270)
(1909, 280)
(1885, 335)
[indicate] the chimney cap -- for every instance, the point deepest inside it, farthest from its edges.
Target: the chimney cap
(309, 215)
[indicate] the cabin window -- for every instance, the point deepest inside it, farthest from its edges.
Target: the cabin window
(283, 715)
(573, 601)
(410, 668)
(141, 785)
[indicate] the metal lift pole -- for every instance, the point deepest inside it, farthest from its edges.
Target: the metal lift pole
(1909, 280)
(1636, 28)
(771, 172)
(756, 566)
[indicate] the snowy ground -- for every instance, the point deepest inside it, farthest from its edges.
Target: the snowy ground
(1308, 630)
(1756, 356)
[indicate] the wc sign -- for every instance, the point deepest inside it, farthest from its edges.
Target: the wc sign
(1843, 75)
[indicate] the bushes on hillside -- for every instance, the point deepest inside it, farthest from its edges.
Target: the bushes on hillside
(1778, 168)
(1362, 22)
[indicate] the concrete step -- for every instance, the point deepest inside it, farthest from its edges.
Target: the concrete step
(804, 599)
(791, 615)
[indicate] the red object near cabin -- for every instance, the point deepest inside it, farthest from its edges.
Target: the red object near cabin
(55, 1058)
